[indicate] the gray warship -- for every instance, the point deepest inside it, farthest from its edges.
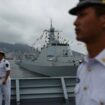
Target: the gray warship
(54, 59)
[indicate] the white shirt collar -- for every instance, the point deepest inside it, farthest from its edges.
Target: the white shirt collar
(100, 58)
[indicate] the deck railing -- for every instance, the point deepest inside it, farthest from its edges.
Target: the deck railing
(43, 87)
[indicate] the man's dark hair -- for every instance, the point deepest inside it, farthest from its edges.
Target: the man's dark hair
(99, 9)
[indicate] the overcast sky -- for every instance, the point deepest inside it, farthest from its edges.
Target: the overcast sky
(24, 20)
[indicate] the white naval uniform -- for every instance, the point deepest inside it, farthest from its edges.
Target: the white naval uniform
(90, 89)
(5, 90)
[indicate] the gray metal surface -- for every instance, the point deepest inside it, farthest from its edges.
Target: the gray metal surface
(46, 89)
(52, 71)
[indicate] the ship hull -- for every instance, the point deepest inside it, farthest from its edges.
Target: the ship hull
(50, 70)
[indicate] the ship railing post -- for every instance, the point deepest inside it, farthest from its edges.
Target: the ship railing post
(66, 97)
(17, 92)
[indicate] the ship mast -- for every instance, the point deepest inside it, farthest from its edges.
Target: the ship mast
(51, 32)
(51, 24)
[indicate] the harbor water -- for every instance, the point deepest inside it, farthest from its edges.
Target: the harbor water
(17, 72)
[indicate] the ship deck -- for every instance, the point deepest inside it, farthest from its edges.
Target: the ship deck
(43, 91)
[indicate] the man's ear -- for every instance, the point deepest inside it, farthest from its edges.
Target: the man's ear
(103, 20)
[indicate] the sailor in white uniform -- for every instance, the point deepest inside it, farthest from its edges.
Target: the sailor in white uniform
(90, 87)
(5, 83)
(90, 29)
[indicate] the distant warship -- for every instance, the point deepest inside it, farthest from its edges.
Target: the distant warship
(54, 59)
